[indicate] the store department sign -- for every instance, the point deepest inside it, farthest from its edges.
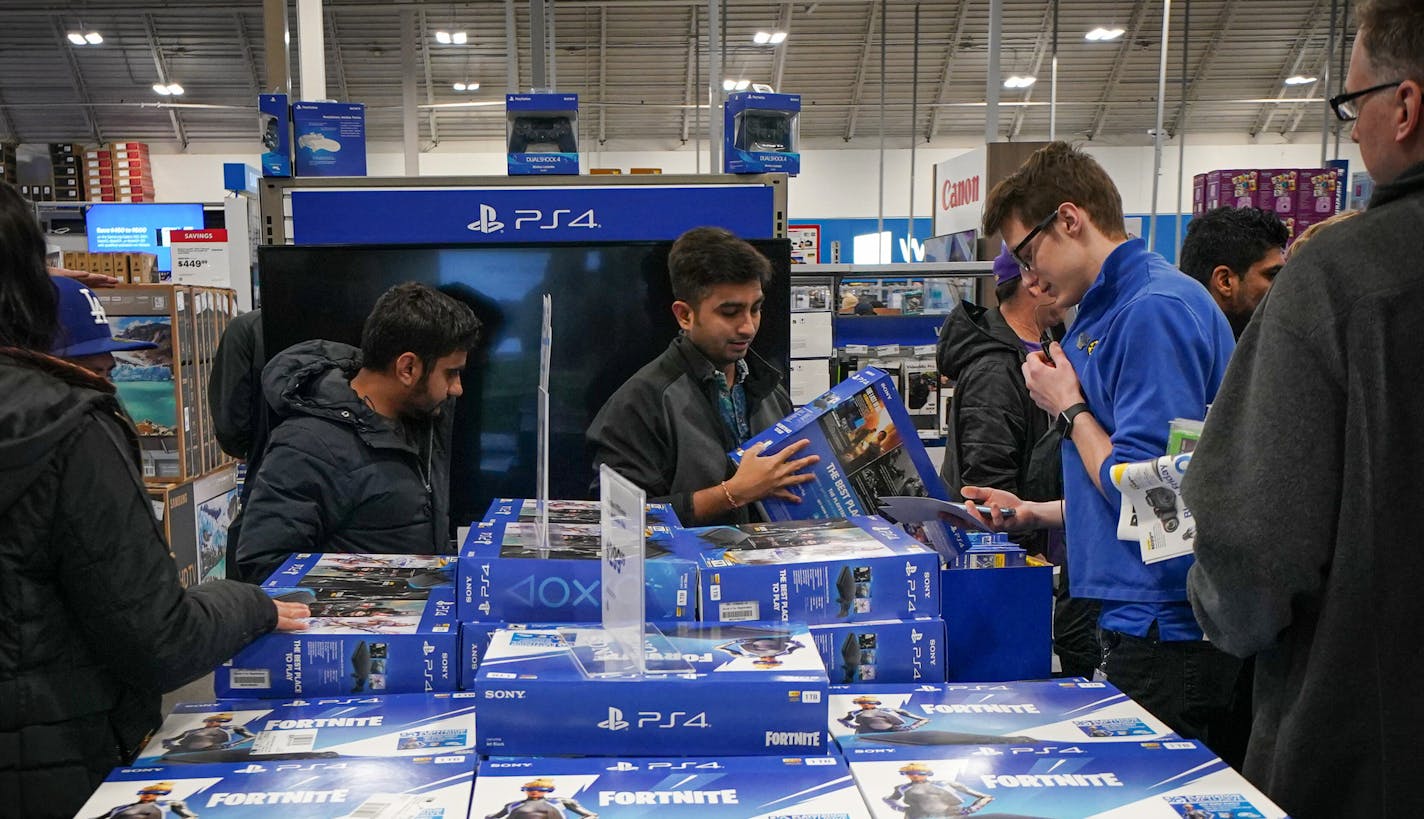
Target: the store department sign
(959, 192)
(526, 214)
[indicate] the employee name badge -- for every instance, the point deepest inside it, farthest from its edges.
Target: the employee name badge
(200, 257)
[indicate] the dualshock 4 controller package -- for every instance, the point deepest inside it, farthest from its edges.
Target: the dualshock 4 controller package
(885, 651)
(689, 788)
(381, 624)
(223, 731)
(525, 510)
(505, 575)
(542, 134)
(761, 133)
(1161, 779)
(835, 570)
(868, 445)
(434, 786)
(276, 120)
(748, 689)
(1013, 713)
(330, 137)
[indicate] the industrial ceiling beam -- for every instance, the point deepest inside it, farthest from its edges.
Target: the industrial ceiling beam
(1289, 68)
(1134, 28)
(778, 63)
(1302, 106)
(1205, 62)
(161, 66)
(690, 90)
(248, 54)
(77, 79)
(871, 19)
(424, 34)
(11, 132)
(602, 74)
(1040, 50)
(950, 55)
(334, 43)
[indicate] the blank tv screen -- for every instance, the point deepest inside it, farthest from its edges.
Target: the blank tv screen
(612, 314)
(122, 227)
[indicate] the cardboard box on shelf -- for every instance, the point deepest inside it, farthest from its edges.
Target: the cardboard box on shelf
(1234, 188)
(1278, 191)
(197, 515)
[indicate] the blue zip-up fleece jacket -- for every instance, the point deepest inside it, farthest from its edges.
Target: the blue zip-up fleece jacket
(1149, 345)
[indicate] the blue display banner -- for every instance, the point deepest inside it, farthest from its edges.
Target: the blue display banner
(527, 214)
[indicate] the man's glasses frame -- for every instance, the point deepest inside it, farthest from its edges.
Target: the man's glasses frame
(1342, 104)
(1037, 229)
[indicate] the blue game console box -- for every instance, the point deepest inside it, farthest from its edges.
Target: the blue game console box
(819, 572)
(1014, 713)
(330, 138)
(689, 788)
(503, 575)
(761, 133)
(223, 731)
(884, 651)
(868, 447)
(275, 119)
(434, 786)
(1160, 779)
(541, 131)
(525, 510)
(746, 689)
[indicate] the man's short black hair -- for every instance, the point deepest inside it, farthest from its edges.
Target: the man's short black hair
(705, 257)
(416, 318)
(1235, 237)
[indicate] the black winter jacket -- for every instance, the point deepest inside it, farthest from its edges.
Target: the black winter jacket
(662, 430)
(337, 477)
(93, 624)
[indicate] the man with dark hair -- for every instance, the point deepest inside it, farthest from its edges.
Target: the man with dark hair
(359, 459)
(1147, 346)
(669, 428)
(1235, 253)
(1307, 473)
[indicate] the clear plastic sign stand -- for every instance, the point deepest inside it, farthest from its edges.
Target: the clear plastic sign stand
(541, 489)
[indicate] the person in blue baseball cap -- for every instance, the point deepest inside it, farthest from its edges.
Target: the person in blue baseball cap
(84, 337)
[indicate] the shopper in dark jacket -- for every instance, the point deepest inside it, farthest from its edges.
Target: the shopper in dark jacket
(95, 625)
(241, 418)
(1306, 479)
(669, 428)
(360, 460)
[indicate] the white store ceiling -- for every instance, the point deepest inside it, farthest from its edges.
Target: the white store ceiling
(639, 69)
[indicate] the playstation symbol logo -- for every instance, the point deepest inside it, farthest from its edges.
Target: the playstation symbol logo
(253, 768)
(489, 221)
(615, 721)
(623, 766)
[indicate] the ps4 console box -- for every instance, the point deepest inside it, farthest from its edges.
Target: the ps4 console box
(223, 731)
(330, 138)
(761, 133)
(526, 510)
(1158, 779)
(835, 570)
(689, 788)
(1014, 713)
(868, 446)
(275, 118)
(541, 132)
(505, 575)
(381, 624)
(746, 689)
(885, 651)
(434, 786)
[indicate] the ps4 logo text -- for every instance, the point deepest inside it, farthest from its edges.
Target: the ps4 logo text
(489, 221)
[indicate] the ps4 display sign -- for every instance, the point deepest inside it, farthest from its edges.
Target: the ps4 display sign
(527, 215)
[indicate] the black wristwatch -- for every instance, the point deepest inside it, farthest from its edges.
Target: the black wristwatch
(1066, 417)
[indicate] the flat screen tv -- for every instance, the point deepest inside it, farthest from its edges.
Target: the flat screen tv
(130, 227)
(612, 314)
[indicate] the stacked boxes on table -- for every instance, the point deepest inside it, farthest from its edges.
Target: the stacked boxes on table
(119, 172)
(1301, 197)
(67, 165)
(128, 268)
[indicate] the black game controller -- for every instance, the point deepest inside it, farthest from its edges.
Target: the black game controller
(764, 131)
(542, 131)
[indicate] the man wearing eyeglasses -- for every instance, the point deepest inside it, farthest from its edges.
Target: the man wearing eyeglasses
(1148, 345)
(1306, 482)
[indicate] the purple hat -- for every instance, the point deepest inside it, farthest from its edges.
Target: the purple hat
(1005, 268)
(83, 327)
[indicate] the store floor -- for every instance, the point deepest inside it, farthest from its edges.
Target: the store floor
(199, 690)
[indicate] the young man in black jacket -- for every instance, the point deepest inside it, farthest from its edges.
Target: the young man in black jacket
(669, 428)
(359, 461)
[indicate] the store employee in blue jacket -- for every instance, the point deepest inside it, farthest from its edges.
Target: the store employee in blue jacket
(1148, 345)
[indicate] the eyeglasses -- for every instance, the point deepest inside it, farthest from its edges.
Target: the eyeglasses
(1037, 229)
(1345, 106)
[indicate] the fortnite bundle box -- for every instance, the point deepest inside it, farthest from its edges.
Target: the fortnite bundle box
(761, 133)
(835, 570)
(330, 137)
(541, 134)
(525, 510)
(868, 448)
(1166, 779)
(422, 787)
(504, 574)
(279, 730)
(197, 514)
(381, 624)
(887, 651)
(1013, 713)
(746, 689)
(1232, 188)
(275, 119)
(689, 788)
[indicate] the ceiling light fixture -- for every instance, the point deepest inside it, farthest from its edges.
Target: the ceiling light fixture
(459, 38)
(778, 37)
(1103, 35)
(459, 86)
(77, 38)
(761, 37)
(1016, 81)
(172, 89)
(1299, 80)
(93, 38)
(466, 86)
(442, 37)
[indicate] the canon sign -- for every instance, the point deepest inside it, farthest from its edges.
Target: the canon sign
(958, 194)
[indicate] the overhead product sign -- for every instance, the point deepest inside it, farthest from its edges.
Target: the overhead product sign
(527, 214)
(960, 191)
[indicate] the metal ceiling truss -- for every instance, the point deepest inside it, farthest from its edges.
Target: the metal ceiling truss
(1218, 35)
(1040, 50)
(778, 63)
(248, 53)
(602, 74)
(1301, 108)
(429, 84)
(1134, 30)
(1289, 68)
(950, 56)
(334, 41)
(160, 64)
(689, 92)
(870, 20)
(77, 79)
